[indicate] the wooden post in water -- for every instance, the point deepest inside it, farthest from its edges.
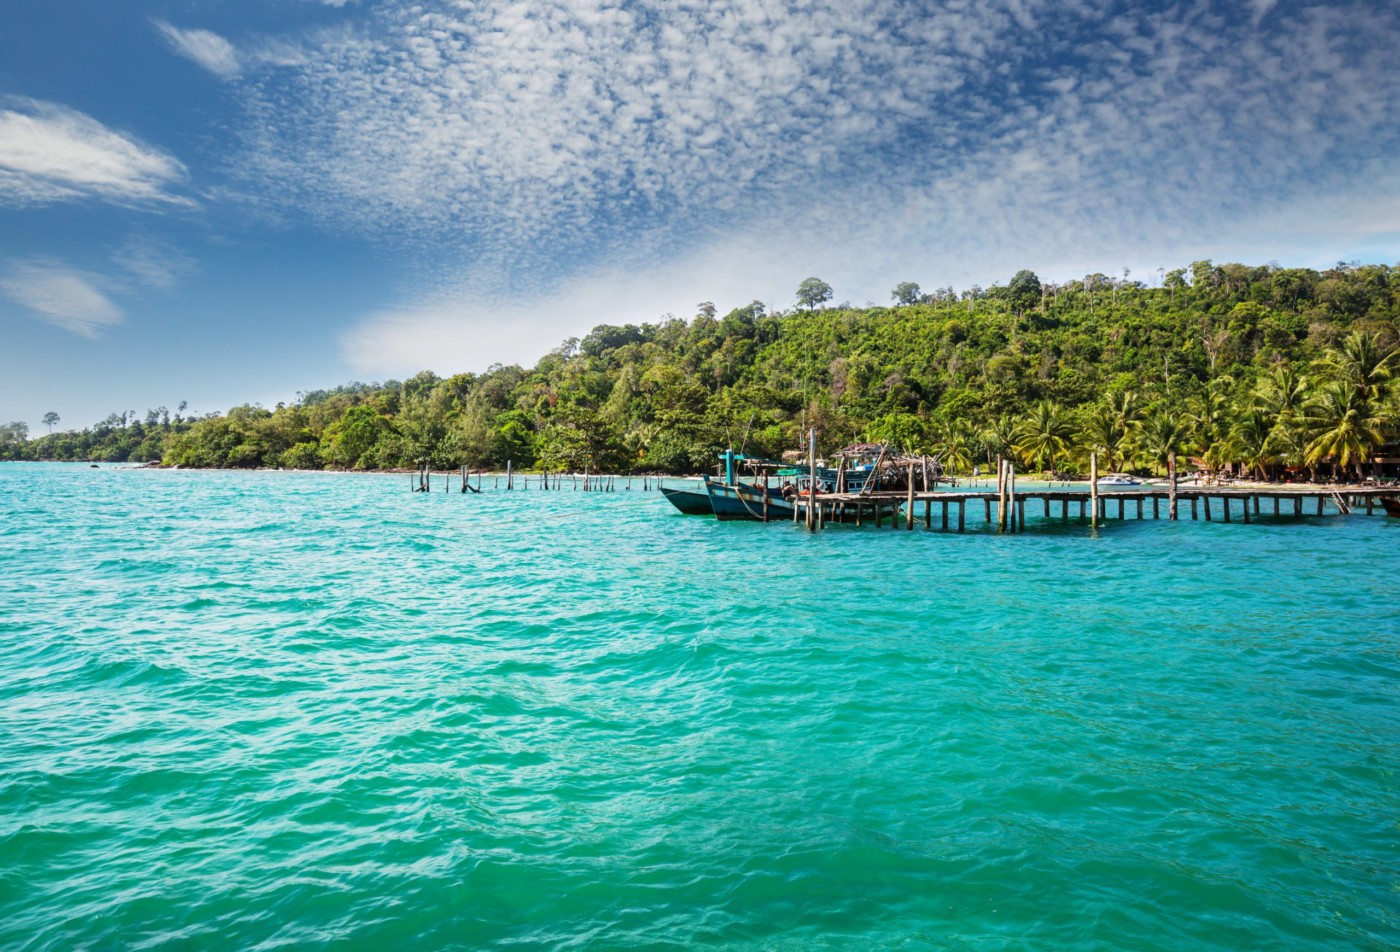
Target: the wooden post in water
(1171, 487)
(909, 499)
(1011, 492)
(510, 477)
(812, 475)
(1094, 488)
(962, 505)
(1001, 494)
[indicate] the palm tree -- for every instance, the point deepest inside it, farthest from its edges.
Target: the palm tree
(1208, 417)
(1103, 431)
(952, 441)
(1250, 440)
(1343, 425)
(1044, 435)
(1162, 435)
(1363, 364)
(1125, 407)
(1280, 396)
(999, 435)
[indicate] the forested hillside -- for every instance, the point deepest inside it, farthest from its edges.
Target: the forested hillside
(1263, 366)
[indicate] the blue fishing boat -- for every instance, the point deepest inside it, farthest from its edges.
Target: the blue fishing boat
(688, 501)
(746, 502)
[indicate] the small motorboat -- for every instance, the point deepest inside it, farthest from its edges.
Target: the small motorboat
(1117, 481)
(1391, 505)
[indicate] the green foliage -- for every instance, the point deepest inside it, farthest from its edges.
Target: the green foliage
(812, 292)
(905, 293)
(1258, 366)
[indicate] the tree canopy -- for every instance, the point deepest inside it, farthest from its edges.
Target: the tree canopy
(1267, 368)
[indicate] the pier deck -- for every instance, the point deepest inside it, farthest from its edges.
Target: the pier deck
(1076, 504)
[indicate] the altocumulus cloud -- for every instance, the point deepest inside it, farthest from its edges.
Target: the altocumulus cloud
(872, 140)
(60, 294)
(50, 153)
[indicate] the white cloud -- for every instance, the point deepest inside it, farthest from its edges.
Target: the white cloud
(209, 50)
(49, 153)
(153, 263)
(527, 132)
(61, 295)
(651, 151)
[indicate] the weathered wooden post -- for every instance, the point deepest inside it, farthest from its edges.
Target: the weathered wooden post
(1011, 492)
(510, 481)
(812, 475)
(909, 499)
(1001, 494)
(1094, 488)
(1171, 486)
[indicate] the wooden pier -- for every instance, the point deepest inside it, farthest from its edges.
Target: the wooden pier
(421, 480)
(950, 510)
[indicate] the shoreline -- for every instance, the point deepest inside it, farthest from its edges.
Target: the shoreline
(979, 482)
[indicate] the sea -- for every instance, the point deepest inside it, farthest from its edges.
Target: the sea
(265, 710)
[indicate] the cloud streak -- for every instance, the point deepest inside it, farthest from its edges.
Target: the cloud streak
(49, 153)
(60, 295)
(209, 50)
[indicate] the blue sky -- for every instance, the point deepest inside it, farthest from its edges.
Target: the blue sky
(219, 201)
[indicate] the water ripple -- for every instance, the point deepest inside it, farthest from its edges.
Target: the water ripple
(261, 710)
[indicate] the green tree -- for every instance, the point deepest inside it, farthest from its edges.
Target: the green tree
(50, 419)
(1105, 432)
(906, 293)
(1343, 427)
(1044, 435)
(1024, 290)
(812, 292)
(1163, 435)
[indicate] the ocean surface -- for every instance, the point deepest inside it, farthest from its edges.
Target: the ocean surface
(268, 710)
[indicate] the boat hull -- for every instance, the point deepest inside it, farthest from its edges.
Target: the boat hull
(745, 503)
(689, 502)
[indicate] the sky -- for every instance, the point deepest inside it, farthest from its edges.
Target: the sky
(230, 201)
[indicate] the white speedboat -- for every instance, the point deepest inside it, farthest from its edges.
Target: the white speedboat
(1117, 481)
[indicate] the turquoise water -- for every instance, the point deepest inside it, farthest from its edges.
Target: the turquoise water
(254, 710)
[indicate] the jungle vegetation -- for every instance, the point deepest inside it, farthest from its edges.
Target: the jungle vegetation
(1269, 369)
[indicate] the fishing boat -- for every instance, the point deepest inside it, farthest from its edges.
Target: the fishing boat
(688, 501)
(746, 502)
(1391, 505)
